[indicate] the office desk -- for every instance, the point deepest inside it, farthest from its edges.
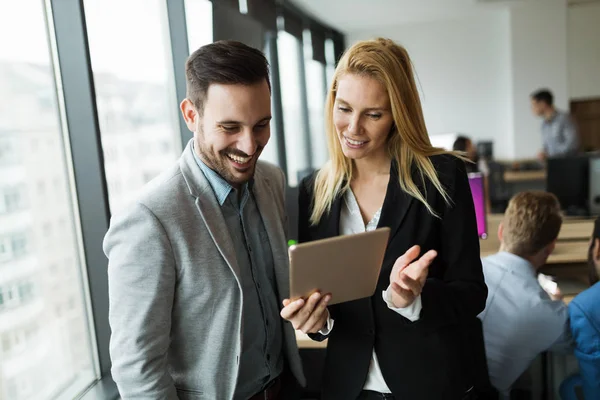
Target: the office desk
(571, 247)
(524, 176)
(304, 342)
(567, 252)
(576, 229)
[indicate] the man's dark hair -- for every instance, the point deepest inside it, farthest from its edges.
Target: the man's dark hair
(543, 95)
(592, 268)
(224, 62)
(460, 144)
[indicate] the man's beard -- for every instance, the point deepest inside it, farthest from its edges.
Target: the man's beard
(221, 164)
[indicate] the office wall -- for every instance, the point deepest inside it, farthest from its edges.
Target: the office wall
(538, 35)
(476, 73)
(583, 50)
(461, 72)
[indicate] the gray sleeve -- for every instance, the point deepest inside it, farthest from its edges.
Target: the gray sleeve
(571, 140)
(141, 277)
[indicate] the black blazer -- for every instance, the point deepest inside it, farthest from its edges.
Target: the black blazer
(431, 358)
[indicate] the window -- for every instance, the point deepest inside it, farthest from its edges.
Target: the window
(5, 249)
(8, 150)
(330, 57)
(41, 187)
(47, 230)
(135, 91)
(288, 47)
(270, 153)
(14, 199)
(35, 366)
(19, 243)
(199, 23)
(316, 90)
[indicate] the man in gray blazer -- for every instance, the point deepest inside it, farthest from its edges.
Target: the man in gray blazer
(198, 264)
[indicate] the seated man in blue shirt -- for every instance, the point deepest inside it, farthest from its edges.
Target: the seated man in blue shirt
(520, 319)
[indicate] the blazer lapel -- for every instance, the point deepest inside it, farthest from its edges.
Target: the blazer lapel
(269, 212)
(208, 207)
(396, 203)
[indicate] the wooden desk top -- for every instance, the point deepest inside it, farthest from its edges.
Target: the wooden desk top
(524, 176)
(564, 253)
(580, 229)
(304, 342)
(571, 247)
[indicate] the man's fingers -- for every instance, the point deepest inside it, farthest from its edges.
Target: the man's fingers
(316, 317)
(291, 309)
(299, 311)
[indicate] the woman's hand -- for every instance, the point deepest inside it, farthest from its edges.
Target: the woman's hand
(308, 316)
(408, 276)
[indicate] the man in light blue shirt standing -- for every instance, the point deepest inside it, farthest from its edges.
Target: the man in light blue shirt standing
(559, 135)
(521, 319)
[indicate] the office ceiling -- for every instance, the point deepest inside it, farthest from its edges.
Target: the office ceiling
(359, 15)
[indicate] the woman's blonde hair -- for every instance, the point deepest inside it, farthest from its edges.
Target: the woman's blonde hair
(408, 144)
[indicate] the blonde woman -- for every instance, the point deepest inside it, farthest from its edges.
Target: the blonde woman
(412, 339)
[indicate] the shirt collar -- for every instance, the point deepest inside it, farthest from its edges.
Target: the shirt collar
(517, 264)
(220, 186)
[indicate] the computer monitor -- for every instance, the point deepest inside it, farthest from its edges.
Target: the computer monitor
(485, 149)
(568, 179)
(478, 192)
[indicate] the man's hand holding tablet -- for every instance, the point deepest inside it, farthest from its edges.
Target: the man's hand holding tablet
(308, 316)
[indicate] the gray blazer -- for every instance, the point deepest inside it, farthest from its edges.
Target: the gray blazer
(174, 286)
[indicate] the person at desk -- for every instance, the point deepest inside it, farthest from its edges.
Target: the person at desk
(559, 135)
(520, 319)
(409, 340)
(584, 315)
(198, 263)
(465, 145)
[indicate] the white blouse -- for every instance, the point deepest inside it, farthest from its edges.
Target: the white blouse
(351, 222)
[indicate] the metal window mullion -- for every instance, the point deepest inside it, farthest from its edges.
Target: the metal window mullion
(85, 147)
(271, 38)
(304, 106)
(179, 54)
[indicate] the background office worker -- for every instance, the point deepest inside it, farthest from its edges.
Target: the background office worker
(584, 315)
(559, 135)
(521, 319)
(407, 340)
(197, 263)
